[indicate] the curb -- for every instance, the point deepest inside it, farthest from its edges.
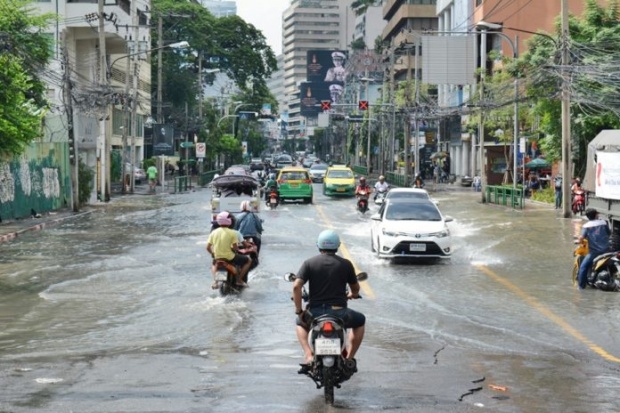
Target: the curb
(37, 227)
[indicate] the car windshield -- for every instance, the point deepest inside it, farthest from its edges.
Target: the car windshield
(319, 167)
(417, 195)
(293, 176)
(340, 174)
(405, 211)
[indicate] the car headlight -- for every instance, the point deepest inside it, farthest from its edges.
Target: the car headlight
(440, 234)
(389, 233)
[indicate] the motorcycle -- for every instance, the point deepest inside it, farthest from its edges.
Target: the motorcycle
(273, 199)
(225, 272)
(329, 367)
(579, 202)
(362, 201)
(605, 271)
(380, 196)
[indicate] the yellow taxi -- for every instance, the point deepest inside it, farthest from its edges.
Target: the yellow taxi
(339, 180)
(295, 183)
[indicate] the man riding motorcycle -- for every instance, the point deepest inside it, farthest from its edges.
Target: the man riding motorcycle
(223, 244)
(381, 186)
(363, 187)
(597, 232)
(269, 184)
(328, 275)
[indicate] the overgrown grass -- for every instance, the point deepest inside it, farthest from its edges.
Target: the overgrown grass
(546, 195)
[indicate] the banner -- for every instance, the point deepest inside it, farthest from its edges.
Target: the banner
(163, 136)
(326, 66)
(312, 93)
(607, 175)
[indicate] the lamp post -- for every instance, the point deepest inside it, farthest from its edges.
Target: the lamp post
(492, 28)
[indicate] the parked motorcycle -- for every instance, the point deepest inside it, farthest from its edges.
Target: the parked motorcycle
(380, 196)
(329, 367)
(605, 272)
(579, 202)
(362, 201)
(273, 199)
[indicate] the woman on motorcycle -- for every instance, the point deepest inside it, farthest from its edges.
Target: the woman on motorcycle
(363, 187)
(248, 224)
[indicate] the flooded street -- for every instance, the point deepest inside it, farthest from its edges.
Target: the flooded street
(113, 311)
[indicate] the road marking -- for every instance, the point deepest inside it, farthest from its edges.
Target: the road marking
(364, 286)
(541, 308)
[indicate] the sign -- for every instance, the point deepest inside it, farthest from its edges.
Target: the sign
(326, 105)
(356, 118)
(201, 150)
(363, 105)
(266, 109)
(163, 136)
(607, 181)
(326, 65)
(244, 148)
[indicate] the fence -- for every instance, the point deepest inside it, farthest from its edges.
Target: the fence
(505, 195)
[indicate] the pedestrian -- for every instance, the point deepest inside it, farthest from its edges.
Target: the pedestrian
(597, 232)
(151, 172)
(557, 184)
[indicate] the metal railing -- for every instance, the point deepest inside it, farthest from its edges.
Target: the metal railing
(505, 195)
(205, 178)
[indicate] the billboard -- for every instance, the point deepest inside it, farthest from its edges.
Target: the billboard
(312, 93)
(326, 66)
(163, 136)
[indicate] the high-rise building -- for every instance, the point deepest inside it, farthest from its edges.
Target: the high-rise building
(220, 8)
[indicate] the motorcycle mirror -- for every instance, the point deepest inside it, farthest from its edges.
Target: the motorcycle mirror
(362, 276)
(289, 276)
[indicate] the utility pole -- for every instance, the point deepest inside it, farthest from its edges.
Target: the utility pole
(126, 129)
(483, 69)
(407, 126)
(566, 129)
(160, 45)
(73, 150)
(134, 97)
(416, 151)
(103, 147)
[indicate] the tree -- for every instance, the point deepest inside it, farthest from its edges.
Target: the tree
(24, 53)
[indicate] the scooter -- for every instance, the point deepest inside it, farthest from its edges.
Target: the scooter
(380, 196)
(579, 202)
(329, 367)
(273, 199)
(362, 201)
(226, 278)
(605, 271)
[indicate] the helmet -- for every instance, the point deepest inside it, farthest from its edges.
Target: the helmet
(328, 240)
(591, 213)
(272, 176)
(223, 219)
(245, 206)
(362, 180)
(382, 178)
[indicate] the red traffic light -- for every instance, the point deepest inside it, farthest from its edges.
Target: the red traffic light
(363, 105)
(326, 105)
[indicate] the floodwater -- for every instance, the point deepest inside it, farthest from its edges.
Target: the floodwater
(113, 311)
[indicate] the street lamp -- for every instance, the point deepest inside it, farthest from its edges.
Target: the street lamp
(178, 45)
(493, 28)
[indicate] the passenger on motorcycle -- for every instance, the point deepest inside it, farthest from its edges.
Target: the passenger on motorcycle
(327, 275)
(248, 224)
(269, 184)
(363, 187)
(223, 244)
(597, 232)
(381, 186)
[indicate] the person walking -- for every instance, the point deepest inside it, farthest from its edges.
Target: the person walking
(557, 185)
(151, 173)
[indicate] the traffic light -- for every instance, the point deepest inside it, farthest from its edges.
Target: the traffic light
(363, 105)
(326, 105)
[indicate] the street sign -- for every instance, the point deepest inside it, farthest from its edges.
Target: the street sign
(326, 104)
(356, 118)
(363, 105)
(201, 150)
(187, 144)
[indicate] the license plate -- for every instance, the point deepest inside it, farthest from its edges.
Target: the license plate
(221, 276)
(327, 346)
(340, 189)
(294, 185)
(417, 247)
(273, 200)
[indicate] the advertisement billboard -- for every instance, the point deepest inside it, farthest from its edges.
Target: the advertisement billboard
(312, 93)
(326, 66)
(163, 136)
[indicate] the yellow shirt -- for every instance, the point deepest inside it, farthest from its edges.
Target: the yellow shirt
(222, 240)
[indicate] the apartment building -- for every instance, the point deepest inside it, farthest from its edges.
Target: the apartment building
(220, 8)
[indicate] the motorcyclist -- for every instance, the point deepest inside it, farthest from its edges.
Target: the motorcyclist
(363, 187)
(328, 275)
(271, 182)
(381, 186)
(248, 224)
(597, 232)
(223, 244)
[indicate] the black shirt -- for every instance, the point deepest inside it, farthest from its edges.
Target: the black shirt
(328, 276)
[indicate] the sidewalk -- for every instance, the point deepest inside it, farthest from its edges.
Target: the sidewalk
(12, 229)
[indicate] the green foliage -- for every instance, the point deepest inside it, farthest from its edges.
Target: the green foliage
(546, 195)
(85, 179)
(24, 50)
(358, 44)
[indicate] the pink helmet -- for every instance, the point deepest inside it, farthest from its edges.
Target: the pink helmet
(223, 218)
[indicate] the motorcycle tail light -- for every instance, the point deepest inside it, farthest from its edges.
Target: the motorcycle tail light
(307, 181)
(327, 328)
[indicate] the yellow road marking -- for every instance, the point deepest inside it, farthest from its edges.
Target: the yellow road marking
(541, 308)
(364, 286)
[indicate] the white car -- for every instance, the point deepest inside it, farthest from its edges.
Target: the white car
(410, 228)
(410, 193)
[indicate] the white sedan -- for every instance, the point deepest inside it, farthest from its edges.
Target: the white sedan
(410, 193)
(410, 228)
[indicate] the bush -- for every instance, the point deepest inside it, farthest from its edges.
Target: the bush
(546, 195)
(85, 180)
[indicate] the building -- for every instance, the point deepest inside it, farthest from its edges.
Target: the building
(102, 91)
(220, 8)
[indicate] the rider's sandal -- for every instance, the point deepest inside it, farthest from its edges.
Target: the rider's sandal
(214, 285)
(305, 368)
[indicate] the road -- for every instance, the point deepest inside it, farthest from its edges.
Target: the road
(113, 311)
